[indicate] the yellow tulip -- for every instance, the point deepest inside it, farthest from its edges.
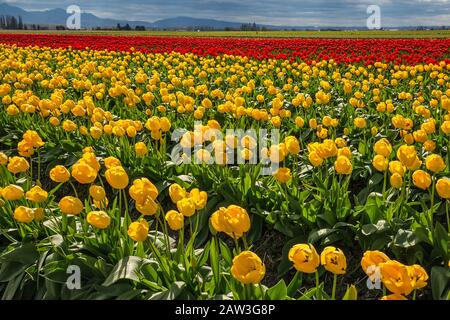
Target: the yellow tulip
(304, 257)
(175, 220)
(97, 193)
(248, 268)
(396, 277)
(138, 231)
(443, 188)
(37, 195)
(24, 214)
(98, 219)
(18, 165)
(59, 174)
(12, 192)
(282, 175)
(84, 173)
(71, 205)
(343, 165)
(435, 163)
(117, 177)
(421, 179)
(186, 206)
(333, 259)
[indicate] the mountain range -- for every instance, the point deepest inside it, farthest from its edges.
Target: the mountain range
(89, 20)
(58, 17)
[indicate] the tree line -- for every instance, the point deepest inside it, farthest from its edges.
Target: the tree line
(11, 22)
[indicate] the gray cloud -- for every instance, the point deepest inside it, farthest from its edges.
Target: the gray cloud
(281, 12)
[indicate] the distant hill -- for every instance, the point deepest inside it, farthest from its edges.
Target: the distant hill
(59, 17)
(183, 22)
(90, 21)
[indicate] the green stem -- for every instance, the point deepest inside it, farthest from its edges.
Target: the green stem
(165, 229)
(238, 249)
(448, 218)
(39, 167)
(430, 213)
(432, 191)
(384, 185)
(244, 239)
(181, 241)
(319, 296)
(126, 215)
(333, 293)
(119, 214)
(73, 188)
(247, 291)
(190, 227)
(31, 170)
(448, 156)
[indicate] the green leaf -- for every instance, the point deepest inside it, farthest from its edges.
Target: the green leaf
(23, 253)
(380, 226)
(159, 239)
(69, 146)
(376, 179)
(256, 230)
(295, 284)
(226, 253)
(351, 293)
(405, 239)
(112, 291)
(316, 235)
(214, 258)
(278, 291)
(442, 240)
(362, 147)
(314, 293)
(12, 287)
(170, 294)
(440, 282)
(285, 264)
(127, 268)
(129, 295)
(373, 206)
(10, 270)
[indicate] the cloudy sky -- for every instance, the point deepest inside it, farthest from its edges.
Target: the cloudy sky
(275, 12)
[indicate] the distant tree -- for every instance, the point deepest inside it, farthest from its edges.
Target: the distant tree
(15, 23)
(20, 24)
(244, 27)
(139, 28)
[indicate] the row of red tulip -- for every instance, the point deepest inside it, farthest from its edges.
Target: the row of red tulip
(367, 51)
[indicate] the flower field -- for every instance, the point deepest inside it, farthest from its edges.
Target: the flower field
(224, 168)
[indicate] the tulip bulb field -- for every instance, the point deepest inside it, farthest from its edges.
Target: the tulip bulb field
(155, 168)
